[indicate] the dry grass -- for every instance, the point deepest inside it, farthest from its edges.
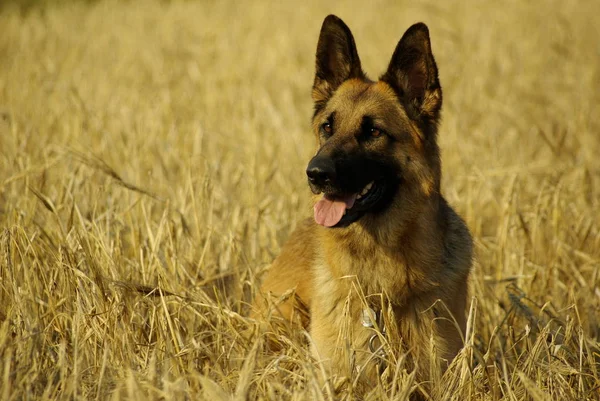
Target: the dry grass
(151, 166)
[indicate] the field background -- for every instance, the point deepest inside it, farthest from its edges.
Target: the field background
(152, 160)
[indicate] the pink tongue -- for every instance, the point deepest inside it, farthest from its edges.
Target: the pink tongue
(329, 212)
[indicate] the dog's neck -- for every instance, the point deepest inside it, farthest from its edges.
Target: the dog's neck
(401, 233)
(407, 256)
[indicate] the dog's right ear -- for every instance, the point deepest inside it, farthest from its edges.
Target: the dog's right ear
(337, 59)
(414, 75)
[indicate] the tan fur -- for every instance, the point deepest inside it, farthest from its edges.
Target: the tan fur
(410, 262)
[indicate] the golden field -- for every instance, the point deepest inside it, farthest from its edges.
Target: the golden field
(152, 159)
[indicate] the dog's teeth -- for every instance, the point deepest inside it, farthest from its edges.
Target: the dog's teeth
(366, 189)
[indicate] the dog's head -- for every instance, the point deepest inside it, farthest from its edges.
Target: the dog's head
(376, 139)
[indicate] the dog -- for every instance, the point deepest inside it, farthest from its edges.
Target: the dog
(381, 268)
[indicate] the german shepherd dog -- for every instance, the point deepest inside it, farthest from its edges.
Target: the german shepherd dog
(382, 266)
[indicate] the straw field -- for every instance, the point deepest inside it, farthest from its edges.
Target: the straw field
(152, 158)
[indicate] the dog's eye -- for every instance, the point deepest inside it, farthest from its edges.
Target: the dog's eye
(326, 127)
(375, 132)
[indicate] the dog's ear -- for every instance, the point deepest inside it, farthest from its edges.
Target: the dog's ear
(337, 59)
(414, 76)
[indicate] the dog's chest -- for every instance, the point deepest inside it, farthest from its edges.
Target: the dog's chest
(367, 270)
(339, 327)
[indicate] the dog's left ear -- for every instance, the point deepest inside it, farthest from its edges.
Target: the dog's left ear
(337, 59)
(414, 76)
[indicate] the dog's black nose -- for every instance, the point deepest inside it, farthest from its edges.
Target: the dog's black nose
(321, 170)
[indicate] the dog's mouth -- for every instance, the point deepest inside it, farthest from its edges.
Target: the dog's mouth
(341, 210)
